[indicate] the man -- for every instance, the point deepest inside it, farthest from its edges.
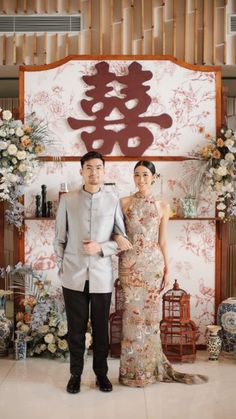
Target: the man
(85, 222)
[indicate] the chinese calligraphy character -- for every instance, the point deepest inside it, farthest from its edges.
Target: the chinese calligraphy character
(132, 101)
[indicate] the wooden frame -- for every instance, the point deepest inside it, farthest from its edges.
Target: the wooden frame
(216, 70)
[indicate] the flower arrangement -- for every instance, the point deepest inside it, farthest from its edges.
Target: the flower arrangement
(220, 172)
(20, 145)
(44, 323)
(41, 315)
(6, 292)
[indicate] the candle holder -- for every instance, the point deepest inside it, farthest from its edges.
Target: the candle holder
(44, 201)
(38, 206)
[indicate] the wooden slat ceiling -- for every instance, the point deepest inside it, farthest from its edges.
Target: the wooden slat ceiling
(195, 31)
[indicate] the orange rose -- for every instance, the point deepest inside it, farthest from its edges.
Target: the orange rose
(207, 151)
(220, 142)
(27, 129)
(216, 154)
(26, 141)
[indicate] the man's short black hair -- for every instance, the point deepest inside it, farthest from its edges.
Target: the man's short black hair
(91, 155)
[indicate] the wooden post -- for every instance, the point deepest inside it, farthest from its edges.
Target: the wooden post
(204, 32)
(214, 32)
(195, 31)
(224, 30)
(35, 45)
(185, 29)
(142, 27)
(4, 47)
(14, 57)
(24, 49)
(2, 259)
(163, 30)
(174, 28)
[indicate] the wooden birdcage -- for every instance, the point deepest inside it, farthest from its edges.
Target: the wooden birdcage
(116, 321)
(178, 331)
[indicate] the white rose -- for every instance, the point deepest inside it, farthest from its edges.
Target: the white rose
(11, 131)
(62, 344)
(221, 214)
(62, 328)
(19, 132)
(228, 133)
(3, 145)
(22, 167)
(7, 115)
(52, 322)
(3, 133)
(14, 160)
(21, 155)
(12, 149)
(229, 157)
(221, 171)
(52, 348)
(24, 328)
(221, 206)
(49, 338)
(229, 143)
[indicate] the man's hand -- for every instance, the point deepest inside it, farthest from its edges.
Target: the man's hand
(91, 247)
(123, 243)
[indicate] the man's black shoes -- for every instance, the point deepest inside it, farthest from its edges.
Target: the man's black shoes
(73, 385)
(103, 383)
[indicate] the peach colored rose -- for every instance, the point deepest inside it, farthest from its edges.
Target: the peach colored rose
(38, 149)
(220, 142)
(216, 154)
(26, 141)
(27, 129)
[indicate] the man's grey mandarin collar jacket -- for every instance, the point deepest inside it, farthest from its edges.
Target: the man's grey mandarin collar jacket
(85, 216)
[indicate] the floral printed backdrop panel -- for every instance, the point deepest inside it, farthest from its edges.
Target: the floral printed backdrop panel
(186, 97)
(192, 263)
(191, 243)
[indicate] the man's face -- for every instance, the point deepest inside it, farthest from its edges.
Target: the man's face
(93, 172)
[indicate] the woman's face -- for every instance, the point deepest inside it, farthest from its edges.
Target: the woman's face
(143, 178)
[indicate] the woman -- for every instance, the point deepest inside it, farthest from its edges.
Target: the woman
(144, 274)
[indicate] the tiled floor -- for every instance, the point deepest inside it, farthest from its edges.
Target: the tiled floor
(35, 388)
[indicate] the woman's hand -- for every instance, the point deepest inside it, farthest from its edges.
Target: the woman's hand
(165, 280)
(123, 243)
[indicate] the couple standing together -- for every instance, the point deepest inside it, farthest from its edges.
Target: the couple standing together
(91, 226)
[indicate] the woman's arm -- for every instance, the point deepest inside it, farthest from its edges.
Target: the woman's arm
(122, 242)
(165, 210)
